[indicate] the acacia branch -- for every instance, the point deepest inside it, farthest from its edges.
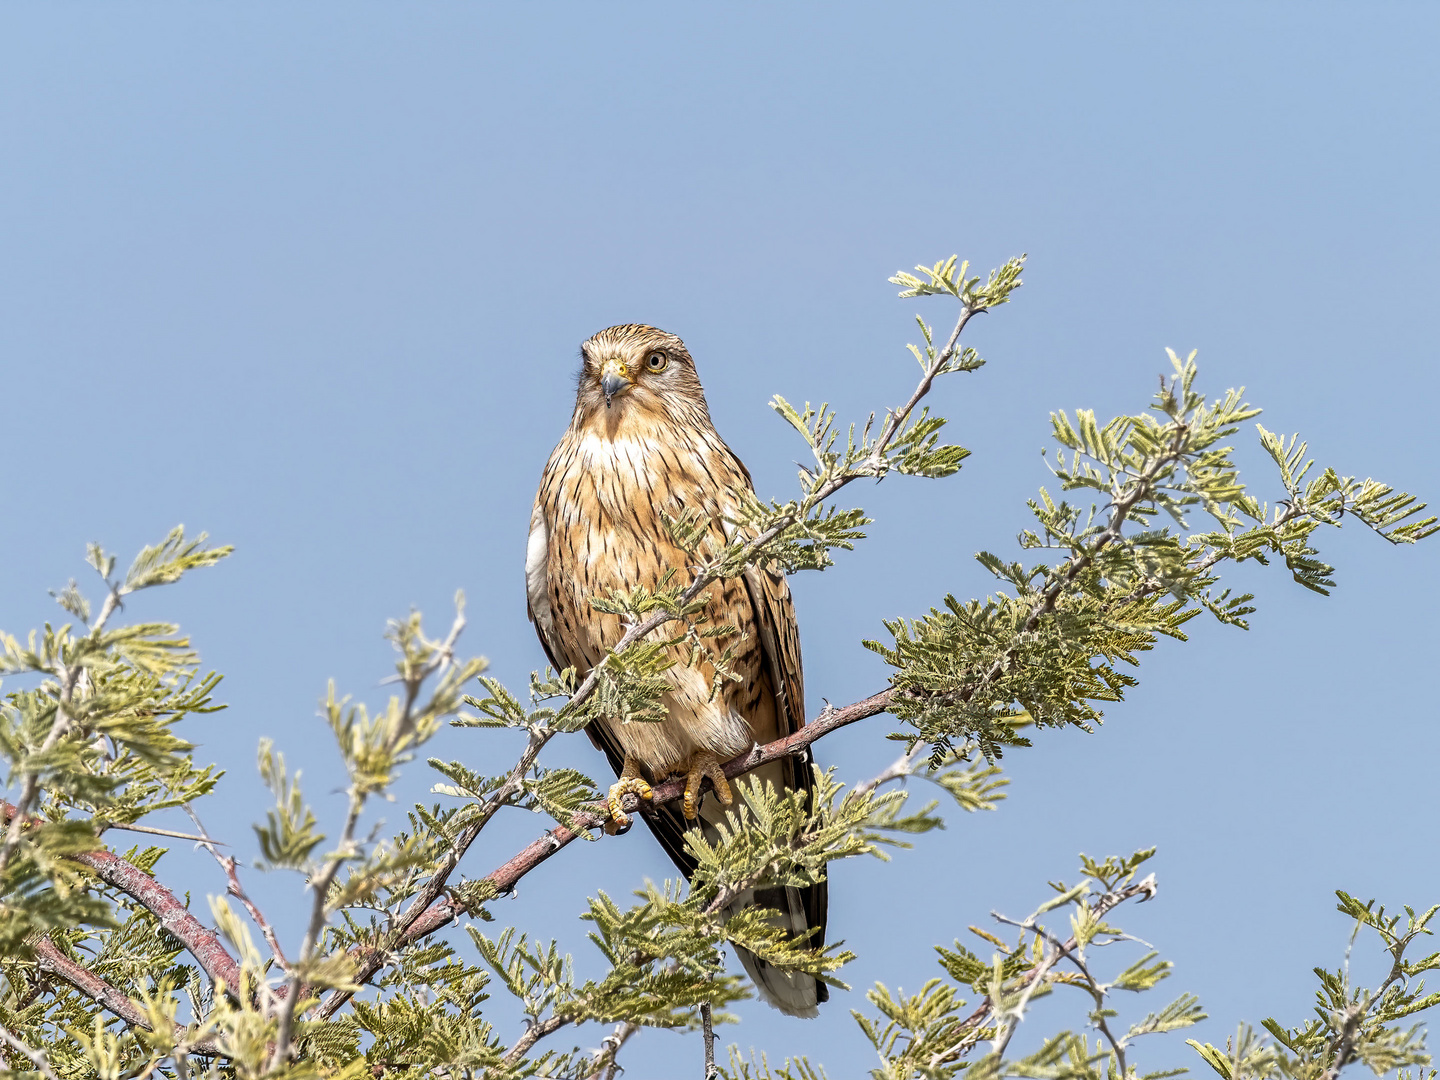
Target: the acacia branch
(202, 943)
(708, 1033)
(830, 719)
(507, 875)
(899, 769)
(604, 1065)
(514, 784)
(1341, 1050)
(319, 916)
(534, 1033)
(973, 1023)
(52, 961)
(229, 864)
(1070, 950)
(418, 922)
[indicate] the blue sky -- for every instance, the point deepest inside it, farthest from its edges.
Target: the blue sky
(313, 279)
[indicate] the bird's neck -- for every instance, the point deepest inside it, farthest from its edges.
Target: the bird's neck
(633, 421)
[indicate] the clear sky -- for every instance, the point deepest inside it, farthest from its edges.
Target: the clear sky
(313, 278)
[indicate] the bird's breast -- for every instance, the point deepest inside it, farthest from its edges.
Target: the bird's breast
(624, 483)
(604, 500)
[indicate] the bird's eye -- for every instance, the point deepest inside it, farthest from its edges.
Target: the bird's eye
(656, 361)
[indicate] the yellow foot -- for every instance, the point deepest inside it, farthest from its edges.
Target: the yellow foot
(702, 764)
(630, 783)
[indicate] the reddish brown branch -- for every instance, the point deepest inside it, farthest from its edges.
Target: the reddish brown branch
(507, 875)
(174, 916)
(201, 942)
(52, 961)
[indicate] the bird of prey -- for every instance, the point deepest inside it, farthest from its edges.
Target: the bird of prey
(640, 444)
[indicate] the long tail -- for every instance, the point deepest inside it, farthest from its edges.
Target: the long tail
(794, 910)
(793, 993)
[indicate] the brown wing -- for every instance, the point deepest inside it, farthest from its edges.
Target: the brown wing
(773, 621)
(780, 637)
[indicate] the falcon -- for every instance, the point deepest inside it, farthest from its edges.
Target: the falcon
(641, 444)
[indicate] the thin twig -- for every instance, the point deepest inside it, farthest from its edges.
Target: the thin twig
(1057, 950)
(513, 785)
(36, 1058)
(414, 679)
(228, 864)
(1342, 1046)
(898, 769)
(533, 1034)
(1071, 951)
(319, 916)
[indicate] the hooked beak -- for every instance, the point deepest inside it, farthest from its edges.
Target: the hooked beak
(613, 380)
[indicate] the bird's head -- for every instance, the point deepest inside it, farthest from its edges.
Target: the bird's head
(636, 373)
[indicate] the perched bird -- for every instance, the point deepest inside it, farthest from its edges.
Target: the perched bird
(641, 443)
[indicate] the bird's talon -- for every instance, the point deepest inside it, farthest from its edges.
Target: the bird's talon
(630, 783)
(701, 765)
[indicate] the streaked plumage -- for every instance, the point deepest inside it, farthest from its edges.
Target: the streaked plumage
(641, 442)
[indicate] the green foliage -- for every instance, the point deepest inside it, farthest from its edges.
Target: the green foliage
(94, 738)
(936, 1034)
(1352, 1023)
(104, 972)
(946, 279)
(1050, 647)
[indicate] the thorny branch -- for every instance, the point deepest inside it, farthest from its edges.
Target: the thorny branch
(404, 930)
(830, 719)
(52, 961)
(513, 785)
(708, 1032)
(318, 912)
(506, 876)
(536, 1031)
(899, 769)
(1342, 1046)
(604, 1065)
(414, 679)
(174, 916)
(1069, 950)
(229, 864)
(1052, 956)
